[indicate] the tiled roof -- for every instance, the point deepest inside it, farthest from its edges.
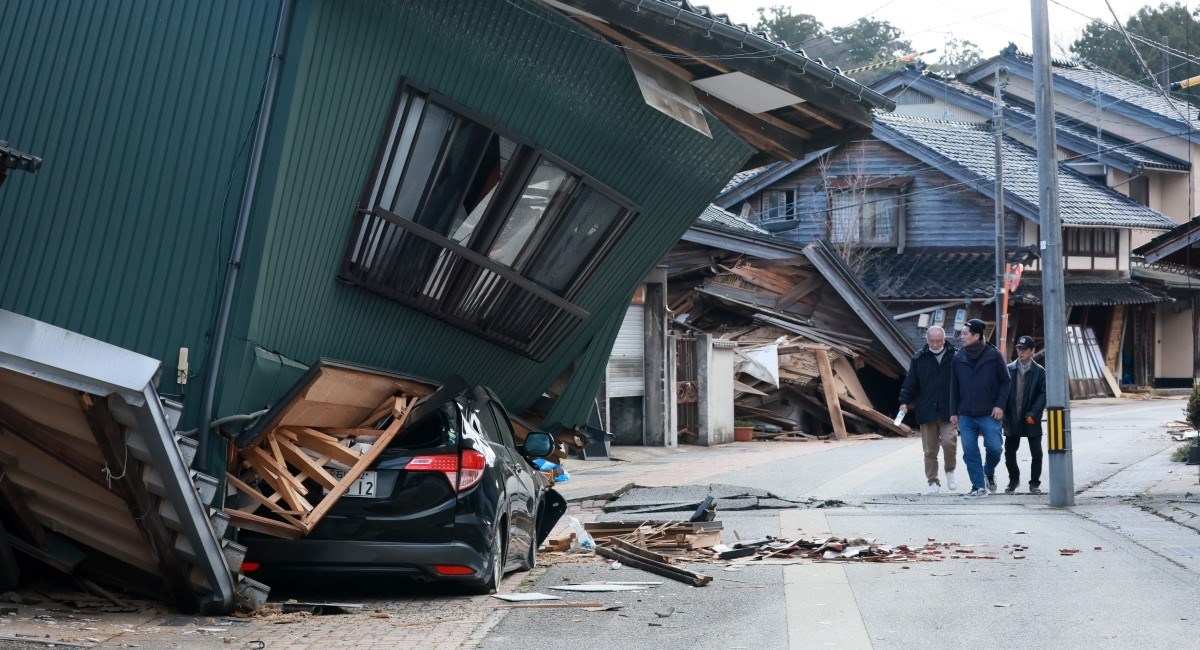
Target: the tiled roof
(1122, 89)
(1074, 135)
(928, 274)
(1185, 228)
(966, 151)
(1089, 291)
(1117, 90)
(715, 216)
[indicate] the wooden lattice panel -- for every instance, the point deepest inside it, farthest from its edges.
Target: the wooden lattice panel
(273, 470)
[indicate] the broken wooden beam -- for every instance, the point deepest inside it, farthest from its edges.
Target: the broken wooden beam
(658, 568)
(831, 395)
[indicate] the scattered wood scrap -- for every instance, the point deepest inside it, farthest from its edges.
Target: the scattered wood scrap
(820, 344)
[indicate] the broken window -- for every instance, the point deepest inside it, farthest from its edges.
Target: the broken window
(477, 227)
(780, 205)
(864, 216)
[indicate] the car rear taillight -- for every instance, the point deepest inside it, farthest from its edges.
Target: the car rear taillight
(247, 567)
(462, 475)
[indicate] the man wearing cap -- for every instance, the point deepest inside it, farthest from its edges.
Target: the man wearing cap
(927, 389)
(979, 382)
(1023, 415)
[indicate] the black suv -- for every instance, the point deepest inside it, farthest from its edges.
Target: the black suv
(453, 498)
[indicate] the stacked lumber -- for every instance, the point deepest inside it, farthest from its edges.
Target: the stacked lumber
(819, 343)
(288, 473)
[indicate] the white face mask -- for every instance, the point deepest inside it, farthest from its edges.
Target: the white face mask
(936, 347)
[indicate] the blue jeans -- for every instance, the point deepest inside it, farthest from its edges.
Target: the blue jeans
(970, 429)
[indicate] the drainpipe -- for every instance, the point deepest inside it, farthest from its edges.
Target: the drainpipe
(217, 349)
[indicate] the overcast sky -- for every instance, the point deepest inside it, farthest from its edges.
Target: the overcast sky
(928, 23)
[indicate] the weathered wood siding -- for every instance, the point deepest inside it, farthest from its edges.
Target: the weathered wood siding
(938, 211)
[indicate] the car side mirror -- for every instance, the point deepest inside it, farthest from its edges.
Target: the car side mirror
(538, 444)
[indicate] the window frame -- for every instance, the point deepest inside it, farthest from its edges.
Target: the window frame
(524, 164)
(532, 153)
(1073, 244)
(897, 211)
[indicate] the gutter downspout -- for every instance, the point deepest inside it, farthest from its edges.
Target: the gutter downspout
(271, 88)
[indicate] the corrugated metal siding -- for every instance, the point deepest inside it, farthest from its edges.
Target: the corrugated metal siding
(939, 211)
(524, 68)
(138, 108)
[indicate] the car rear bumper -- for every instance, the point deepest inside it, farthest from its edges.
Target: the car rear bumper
(337, 557)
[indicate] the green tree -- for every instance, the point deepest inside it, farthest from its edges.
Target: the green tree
(781, 23)
(1169, 24)
(867, 40)
(957, 55)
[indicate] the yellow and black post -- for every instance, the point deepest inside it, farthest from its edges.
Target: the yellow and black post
(1056, 437)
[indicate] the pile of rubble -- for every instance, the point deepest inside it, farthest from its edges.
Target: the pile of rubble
(801, 343)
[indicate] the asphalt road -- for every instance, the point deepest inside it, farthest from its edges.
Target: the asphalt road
(1131, 584)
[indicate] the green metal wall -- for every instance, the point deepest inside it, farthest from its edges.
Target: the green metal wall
(522, 66)
(138, 108)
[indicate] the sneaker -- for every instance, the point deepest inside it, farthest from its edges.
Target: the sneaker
(1010, 489)
(976, 493)
(1033, 489)
(991, 484)
(951, 482)
(934, 488)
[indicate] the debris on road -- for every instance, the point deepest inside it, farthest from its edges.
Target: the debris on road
(607, 587)
(525, 597)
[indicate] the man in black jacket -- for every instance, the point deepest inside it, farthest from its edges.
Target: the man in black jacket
(926, 392)
(1023, 416)
(979, 382)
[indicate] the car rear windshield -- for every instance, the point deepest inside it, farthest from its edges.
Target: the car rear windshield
(435, 429)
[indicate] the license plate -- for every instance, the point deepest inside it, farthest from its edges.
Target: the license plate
(365, 486)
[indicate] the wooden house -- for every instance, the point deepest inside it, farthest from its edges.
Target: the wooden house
(458, 187)
(911, 208)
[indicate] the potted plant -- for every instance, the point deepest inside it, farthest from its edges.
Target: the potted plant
(743, 431)
(1192, 414)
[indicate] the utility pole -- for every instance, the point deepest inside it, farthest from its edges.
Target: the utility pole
(1058, 411)
(1001, 281)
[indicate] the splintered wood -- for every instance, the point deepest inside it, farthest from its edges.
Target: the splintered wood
(282, 471)
(820, 342)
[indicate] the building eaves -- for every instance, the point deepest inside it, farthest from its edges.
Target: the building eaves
(720, 25)
(965, 152)
(1073, 136)
(731, 196)
(1082, 81)
(1174, 240)
(1090, 292)
(929, 274)
(860, 298)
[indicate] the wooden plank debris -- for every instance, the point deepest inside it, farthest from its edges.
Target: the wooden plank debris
(292, 462)
(822, 342)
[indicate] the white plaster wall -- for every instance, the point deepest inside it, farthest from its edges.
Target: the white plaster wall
(720, 399)
(1173, 349)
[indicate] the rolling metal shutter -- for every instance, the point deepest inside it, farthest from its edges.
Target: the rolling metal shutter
(626, 372)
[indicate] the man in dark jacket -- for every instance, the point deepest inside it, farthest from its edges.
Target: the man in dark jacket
(1023, 415)
(978, 394)
(926, 392)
